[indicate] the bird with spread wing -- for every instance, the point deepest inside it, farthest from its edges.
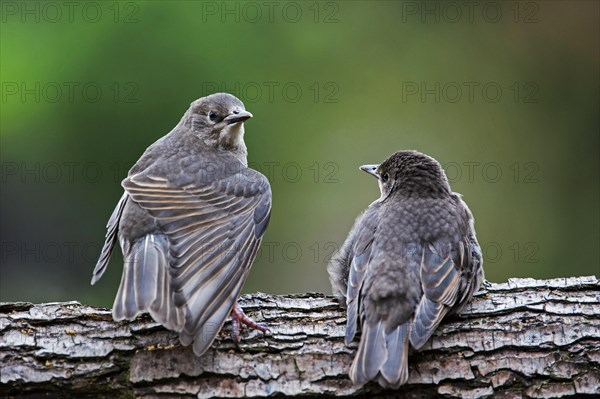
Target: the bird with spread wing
(190, 223)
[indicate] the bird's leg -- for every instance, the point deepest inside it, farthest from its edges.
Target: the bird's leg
(483, 288)
(239, 320)
(486, 285)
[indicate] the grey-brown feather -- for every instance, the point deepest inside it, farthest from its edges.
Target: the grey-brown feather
(145, 284)
(112, 228)
(348, 266)
(190, 228)
(423, 262)
(212, 243)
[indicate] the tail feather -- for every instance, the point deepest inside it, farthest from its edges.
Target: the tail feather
(382, 356)
(146, 269)
(427, 318)
(371, 354)
(374, 351)
(163, 309)
(394, 371)
(145, 284)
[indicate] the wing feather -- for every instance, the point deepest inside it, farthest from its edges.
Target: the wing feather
(214, 233)
(112, 228)
(441, 267)
(359, 257)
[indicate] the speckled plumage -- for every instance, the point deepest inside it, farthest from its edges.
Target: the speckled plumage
(190, 223)
(411, 258)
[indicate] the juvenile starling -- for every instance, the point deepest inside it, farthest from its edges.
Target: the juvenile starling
(190, 224)
(411, 258)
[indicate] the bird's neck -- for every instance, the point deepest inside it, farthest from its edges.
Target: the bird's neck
(232, 139)
(421, 192)
(423, 184)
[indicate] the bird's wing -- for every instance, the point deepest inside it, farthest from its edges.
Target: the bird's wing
(111, 238)
(214, 232)
(359, 257)
(472, 274)
(441, 265)
(339, 265)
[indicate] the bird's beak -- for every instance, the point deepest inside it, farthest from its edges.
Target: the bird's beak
(238, 116)
(370, 169)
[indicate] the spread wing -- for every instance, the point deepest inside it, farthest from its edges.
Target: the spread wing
(214, 232)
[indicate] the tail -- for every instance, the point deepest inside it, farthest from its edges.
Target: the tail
(146, 284)
(382, 355)
(111, 239)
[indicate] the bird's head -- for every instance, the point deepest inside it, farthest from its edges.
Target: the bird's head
(218, 120)
(410, 173)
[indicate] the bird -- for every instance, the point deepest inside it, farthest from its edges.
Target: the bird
(190, 223)
(411, 258)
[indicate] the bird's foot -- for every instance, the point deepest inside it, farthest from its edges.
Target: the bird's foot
(483, 288)
(239, 320)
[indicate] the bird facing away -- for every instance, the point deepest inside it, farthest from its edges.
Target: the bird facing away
(190, 224)
(411, 258)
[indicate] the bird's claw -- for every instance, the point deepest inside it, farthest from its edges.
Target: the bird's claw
(239, 320)
(484, 288)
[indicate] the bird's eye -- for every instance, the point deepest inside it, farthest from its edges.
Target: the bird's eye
(384, 177)
(212, 116)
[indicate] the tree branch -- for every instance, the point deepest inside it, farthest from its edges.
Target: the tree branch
(522, 339)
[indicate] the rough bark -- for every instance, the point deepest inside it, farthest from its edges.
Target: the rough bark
(522, 339)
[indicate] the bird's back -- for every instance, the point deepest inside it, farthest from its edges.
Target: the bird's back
(394, 302)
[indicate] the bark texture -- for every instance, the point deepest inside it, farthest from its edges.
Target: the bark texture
(522, 339)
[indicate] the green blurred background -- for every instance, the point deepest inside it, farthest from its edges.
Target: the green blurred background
(503, 94)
